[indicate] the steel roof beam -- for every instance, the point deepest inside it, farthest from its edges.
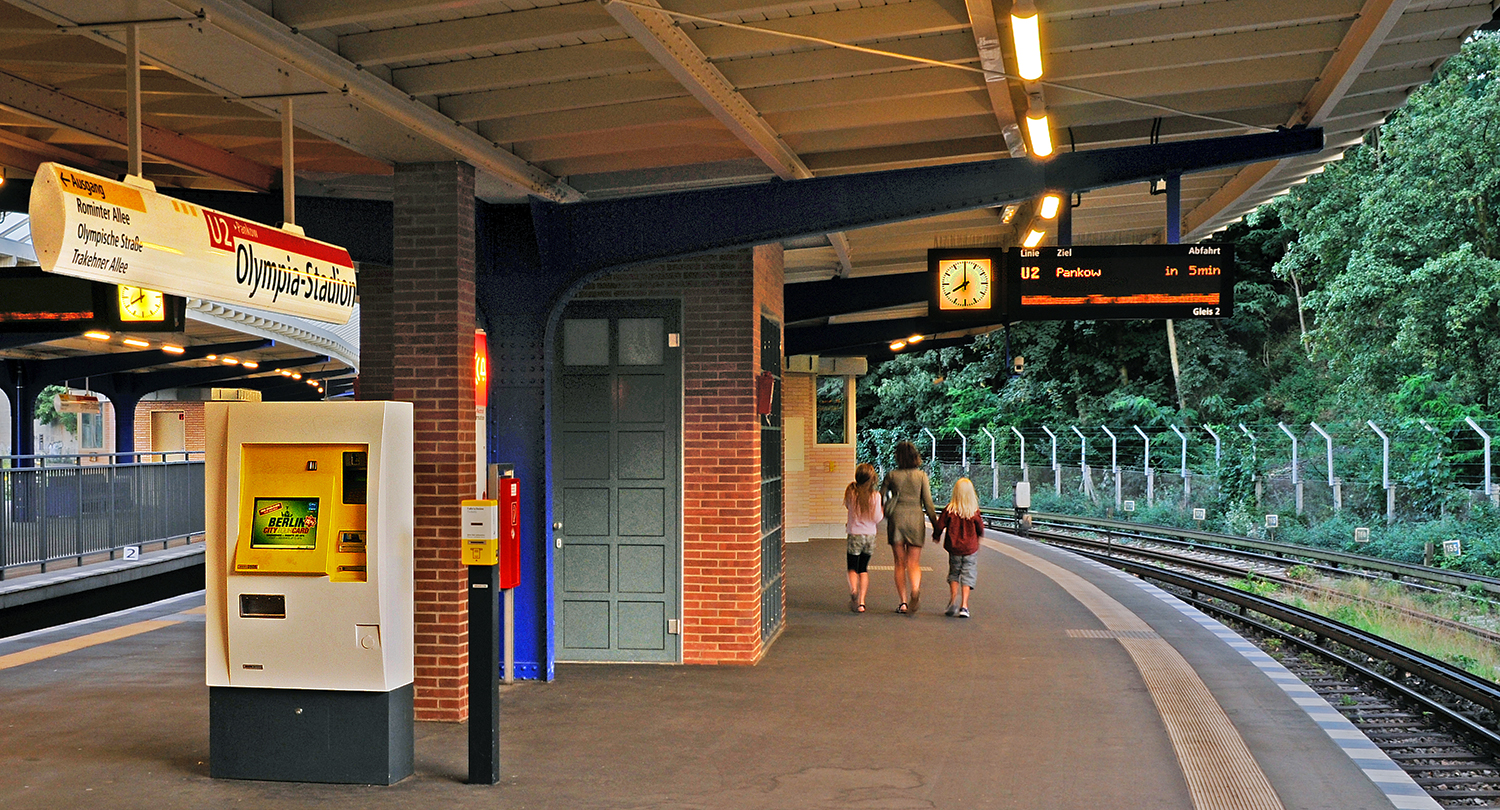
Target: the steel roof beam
(822, 299)
(580, 238)
(161, 144)
(311, 14)
(1360, 44)
(676, 51)
(492, 32)
(301, 54)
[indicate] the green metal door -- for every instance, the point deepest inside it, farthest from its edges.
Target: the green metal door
(617, 482)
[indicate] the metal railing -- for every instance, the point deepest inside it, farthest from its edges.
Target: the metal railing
(66, 508)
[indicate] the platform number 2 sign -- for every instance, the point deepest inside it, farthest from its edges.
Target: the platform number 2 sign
(132, 553)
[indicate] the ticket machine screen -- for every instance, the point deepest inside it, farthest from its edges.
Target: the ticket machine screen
(284, 523)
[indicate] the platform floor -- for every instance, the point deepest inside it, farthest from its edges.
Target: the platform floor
(1062, 691)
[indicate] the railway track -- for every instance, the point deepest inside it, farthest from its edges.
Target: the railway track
(1438, 722)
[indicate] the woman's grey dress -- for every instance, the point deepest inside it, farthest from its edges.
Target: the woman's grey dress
(908, 497)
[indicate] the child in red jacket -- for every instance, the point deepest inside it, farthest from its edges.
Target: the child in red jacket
(960, 528)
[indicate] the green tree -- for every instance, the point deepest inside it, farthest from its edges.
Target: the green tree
(46, 414)
(1397, 244)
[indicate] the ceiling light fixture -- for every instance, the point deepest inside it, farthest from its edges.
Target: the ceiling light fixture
(916, 339)
(1039, 129)
(172, 349)
(1033, 239)
(1026, 33)
(97, 335)
(296, 375)
(229, 361)
(136, 342)
(251, 364)
(1050, 206)
(898, 345)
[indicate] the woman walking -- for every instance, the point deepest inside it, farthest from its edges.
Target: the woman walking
(908, 497)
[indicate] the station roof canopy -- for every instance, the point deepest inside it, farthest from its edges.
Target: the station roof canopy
(576, 100)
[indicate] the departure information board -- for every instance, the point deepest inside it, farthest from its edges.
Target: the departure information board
(1118, 282)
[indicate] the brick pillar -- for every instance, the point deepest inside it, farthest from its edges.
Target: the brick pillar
(418, 345)
(377, 350)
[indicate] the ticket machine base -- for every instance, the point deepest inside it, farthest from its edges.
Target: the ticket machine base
(311, 735)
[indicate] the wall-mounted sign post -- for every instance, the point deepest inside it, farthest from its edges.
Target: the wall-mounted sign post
(88, 226)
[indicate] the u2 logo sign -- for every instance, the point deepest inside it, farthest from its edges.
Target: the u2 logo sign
(220, 234)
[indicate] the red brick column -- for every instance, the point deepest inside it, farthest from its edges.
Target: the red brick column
(724, 296)
(423, 353)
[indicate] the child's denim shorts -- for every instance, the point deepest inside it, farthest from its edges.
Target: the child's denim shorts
(963, 569)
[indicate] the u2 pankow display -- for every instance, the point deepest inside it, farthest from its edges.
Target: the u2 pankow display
(1119, 282)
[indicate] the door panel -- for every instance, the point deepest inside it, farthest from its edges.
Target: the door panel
(617, 481)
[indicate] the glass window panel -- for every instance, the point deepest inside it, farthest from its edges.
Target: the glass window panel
(640, 341)
(586, 342)
(91, 431)
(833, 417)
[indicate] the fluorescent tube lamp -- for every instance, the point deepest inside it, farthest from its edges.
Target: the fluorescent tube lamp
(898, 345)
(229, 361)
(916, 339)
(96, 335)
(1040, 131)
(1033, 239)
(1026, 33)
(1050, 205)
(251, 364)
(171, 349)
(212, 357)
(296, 375)
(136, 342)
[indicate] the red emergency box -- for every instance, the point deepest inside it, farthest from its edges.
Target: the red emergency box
(510, 532)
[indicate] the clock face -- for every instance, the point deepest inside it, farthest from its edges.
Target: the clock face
(138, 304)
(965, 283)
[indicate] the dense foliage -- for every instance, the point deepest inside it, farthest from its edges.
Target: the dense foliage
(1373, 288)
(1370, 291)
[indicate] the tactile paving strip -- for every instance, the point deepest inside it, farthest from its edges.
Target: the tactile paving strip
(1220, 771)
(1112, 634)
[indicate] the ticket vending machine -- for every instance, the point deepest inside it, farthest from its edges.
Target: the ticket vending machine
(309, 537)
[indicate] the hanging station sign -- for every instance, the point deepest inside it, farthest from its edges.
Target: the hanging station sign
(87, 226)
(1097, 282)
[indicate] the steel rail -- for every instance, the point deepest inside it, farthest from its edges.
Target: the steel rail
(1229, 572)
(1461, 683)
(1397, 570)
(1456, 719)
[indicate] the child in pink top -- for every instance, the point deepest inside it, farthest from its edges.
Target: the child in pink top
(863, 504)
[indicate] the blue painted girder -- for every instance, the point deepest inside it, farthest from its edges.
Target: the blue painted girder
(584, 237)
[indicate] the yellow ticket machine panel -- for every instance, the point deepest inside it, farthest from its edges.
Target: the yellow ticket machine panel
(302, 510)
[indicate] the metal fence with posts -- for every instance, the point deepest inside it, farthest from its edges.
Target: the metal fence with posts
(1366, 470)
(75, 508)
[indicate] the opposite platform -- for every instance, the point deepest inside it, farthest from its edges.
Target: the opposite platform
(1060, 692)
